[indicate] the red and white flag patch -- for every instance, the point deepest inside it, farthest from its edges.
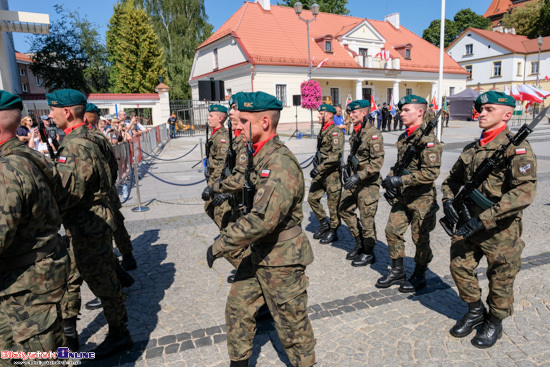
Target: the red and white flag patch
(521, 151)
(222, 141)
(430, 145)
(374, 137)
(62, 159)
(334, 134)
(265, 173)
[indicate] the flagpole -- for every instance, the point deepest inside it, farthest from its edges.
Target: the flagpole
(441, 53)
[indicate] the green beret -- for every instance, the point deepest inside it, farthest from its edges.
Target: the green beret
(217, 108)
(90, 107)
(66, 98)
(431, 104)
(234, 98)
(493, 97)
(328, 108)
(355, 105)
(412, 99)
(10, 101)
(257, 102)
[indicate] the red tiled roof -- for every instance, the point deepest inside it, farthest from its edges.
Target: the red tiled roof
(122, 96)
(22, 57)
(278, 37)
(498, 7)
(512, 42)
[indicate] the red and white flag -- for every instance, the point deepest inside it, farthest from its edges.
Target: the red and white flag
(322, 63)
(434, 102)
(527, 94)
(383, 55)
(515, 93)
(506, 90)
(372, 104)
(546, 78)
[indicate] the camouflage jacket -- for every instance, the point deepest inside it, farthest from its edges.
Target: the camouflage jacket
(29, 219)
(424, 168)
(370, 155)
(331, 150)
(86, 175)
(217, 145)
(428, 116)
(106, 148)
(277, 207)
(234, 183)
(511, 186)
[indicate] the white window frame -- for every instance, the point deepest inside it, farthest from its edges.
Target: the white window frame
(520, 67)
(38, 81)
(25, 87)
(494, 74)
(215, 59)
(408, 91)
(451, 91)
(534, 67)
(22, 72)
(285, 102)
(334, 103)
(469, 46)
(471, 72)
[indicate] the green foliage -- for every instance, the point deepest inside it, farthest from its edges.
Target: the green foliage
(181, 25)
(467, 18)
(134, 51)
(543, 22)
(431, 34)
(525, 19)
(326, 6)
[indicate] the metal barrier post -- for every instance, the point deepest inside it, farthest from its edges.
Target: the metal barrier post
(202, 156)
(139, 208)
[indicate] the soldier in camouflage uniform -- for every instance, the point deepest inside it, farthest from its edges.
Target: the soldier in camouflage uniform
(414, 200)
(216, 152)
(274, 272)
(430, 114)
(494, 230)
(30, 248)
(327, 175)
(87, 216)
(362, 187)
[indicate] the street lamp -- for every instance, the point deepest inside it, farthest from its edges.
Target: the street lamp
(315, 11)
(539, 41)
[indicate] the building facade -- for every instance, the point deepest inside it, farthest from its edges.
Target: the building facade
(30, 83)
(265, 48)
(496, 10)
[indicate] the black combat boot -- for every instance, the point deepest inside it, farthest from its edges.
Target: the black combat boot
(489, 333)
(69, 329)
(118, 340)
(396, 275)
(322, 229)
(330, 236)
(94, 304)
(128, 262)
(416, 281)
(366, 256)
(475, 316)
(357, 249)
(126, 280)
(239, 363)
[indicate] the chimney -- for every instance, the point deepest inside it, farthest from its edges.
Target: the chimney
(510, 30)
(393, 19)
(264, 4)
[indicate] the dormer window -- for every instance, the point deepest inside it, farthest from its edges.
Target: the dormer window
(408, 53)
(328, 46)
(404, 50)
(325, 43)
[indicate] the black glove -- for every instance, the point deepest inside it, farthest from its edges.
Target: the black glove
(471, 227)
(314, 172)
(207, 193)
(450, 211)
(391, 193)
(392, 182)
(210, 258)
(219, 199)
(351, 182)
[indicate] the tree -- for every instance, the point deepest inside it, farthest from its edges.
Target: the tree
(543, 22)
(326, 6)
(134, 51)
(431, 34)
(525, 19)
(181, 25)
(467, 18)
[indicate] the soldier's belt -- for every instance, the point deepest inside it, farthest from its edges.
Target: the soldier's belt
(285, 235)
(29, 258)
(481, 200)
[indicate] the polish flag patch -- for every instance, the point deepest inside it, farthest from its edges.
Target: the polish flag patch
(374, 137)
(222, 141)
(265, 173)
(62, 159)
(334, 134)
(521, 151)
(430, 145)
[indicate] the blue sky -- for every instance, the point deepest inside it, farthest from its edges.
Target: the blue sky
(415, 15)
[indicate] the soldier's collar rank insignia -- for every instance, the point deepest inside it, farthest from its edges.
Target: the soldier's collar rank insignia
(525, 169)
(265, 173)
(521, 151)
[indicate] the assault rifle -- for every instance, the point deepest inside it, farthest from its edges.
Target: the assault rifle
(230, 156)
(317, 158)
(350, 168)
(469, 194)
(415, 146)
(207, 146)
(249, 189)
(44, 136)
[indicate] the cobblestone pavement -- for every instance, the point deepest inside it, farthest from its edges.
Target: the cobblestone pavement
(176, 306)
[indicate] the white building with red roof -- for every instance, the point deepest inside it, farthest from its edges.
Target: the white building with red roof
(495, 59)
(264, 47)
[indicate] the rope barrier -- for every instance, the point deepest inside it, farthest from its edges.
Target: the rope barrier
(307, 160)
(167, 160)
(168, 182)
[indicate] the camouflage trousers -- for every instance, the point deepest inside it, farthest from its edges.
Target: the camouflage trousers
(95, 264)
(219, 214)
(121, 236)
(502, 247)
(332, 186)
(366, 199)
(419, 213)
(30, 320)
(72, 302)
(284, 290)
